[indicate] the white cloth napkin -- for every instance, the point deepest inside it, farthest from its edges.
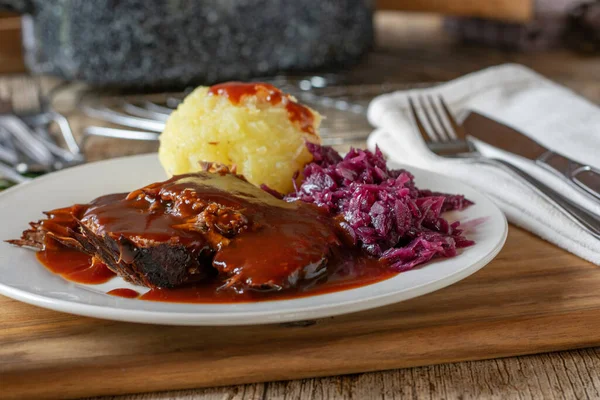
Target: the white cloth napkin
(515, 95)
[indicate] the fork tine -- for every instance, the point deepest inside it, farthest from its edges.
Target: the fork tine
(158, 108)
(446, 134)
(435, 135)
(417, 120)
(459, 131)
(138, 111)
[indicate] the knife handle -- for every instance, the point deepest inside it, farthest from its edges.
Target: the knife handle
(582, 176)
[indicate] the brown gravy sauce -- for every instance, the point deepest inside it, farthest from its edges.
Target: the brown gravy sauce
(75, 266)
(278, 240)
(235, 91)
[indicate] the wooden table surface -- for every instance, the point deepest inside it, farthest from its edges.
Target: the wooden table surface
(416, 50)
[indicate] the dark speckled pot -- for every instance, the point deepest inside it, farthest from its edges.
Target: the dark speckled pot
(178, 42)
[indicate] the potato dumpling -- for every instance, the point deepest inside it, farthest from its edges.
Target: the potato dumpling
(252, 126)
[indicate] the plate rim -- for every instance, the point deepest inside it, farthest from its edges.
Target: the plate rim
(188, 318)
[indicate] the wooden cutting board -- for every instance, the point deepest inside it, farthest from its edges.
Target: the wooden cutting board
(534, 297)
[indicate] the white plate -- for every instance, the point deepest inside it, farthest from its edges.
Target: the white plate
(24, 279)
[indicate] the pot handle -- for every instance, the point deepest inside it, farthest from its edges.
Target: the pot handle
(18, 6)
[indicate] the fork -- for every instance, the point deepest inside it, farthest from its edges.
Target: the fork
(446, 138)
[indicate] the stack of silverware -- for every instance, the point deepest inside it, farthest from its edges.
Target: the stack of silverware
(34, 138)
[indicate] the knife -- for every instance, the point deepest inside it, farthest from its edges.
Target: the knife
(508, 139)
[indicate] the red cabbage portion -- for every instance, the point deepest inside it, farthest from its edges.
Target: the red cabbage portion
(383, 211)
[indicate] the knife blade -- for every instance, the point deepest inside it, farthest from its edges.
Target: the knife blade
(497, 134)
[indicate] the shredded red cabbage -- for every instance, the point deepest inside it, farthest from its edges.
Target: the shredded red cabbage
(383, 211)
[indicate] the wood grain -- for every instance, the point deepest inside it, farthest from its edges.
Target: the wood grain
(518, 304)
(507, 10)
(549, 376)
(11, 49)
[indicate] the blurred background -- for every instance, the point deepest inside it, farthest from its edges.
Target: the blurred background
(171, 43)
(85, 80)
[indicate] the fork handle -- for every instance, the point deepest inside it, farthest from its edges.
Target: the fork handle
(584, 218)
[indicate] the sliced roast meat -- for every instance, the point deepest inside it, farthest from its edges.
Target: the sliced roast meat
(182, 230)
